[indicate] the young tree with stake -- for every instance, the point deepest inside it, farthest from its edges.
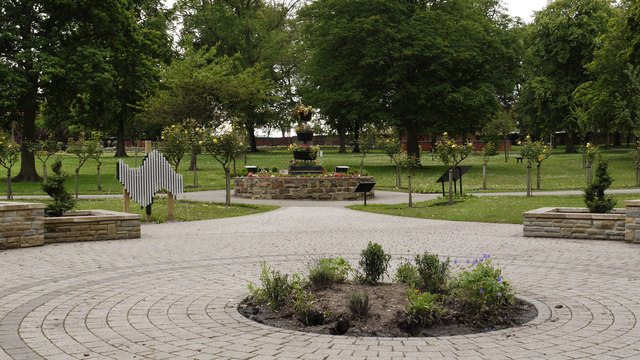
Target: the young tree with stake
(451, 155)
(225, 144)
(9, 156)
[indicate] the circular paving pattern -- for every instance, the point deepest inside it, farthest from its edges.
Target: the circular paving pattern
(173, 294)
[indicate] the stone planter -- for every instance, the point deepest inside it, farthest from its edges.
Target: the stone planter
(311, 169)
(303, 155)
(21, 224)
(305, 136)
(575, 223)
(311, 188)
(91, 225)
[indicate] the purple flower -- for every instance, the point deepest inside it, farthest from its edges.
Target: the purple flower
(481, 291)
(467, 261)
(455, 262)
(499, 294)
(499, 278)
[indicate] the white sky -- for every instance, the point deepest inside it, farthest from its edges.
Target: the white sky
(524, 8)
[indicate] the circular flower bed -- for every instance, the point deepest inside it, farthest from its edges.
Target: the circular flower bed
(428, 298)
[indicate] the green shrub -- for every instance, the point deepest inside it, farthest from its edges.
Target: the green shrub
(432, 273)
(327, 271)
(359, 303)
(481, 290)
(276, 288)
(594, 196)
(302, 301)
(422, 309)
(407, 273)
(374, 262)
(54, 187)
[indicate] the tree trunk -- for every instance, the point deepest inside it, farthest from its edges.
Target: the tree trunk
(571, 143)
(77, 172)
(362, 163)
(413, 148)
(343, 139)
(9, 192)
(356, 138)
(588, 174)
(528, 180)
(121, 149)
(450, 186)
(637, 175)
(398, 177)
(194, 161)
(608, 132)
(27, 159)
(409, 184)
(617, 139)
(506, 153)
(44, 171)
(227, 198)
(538, 177)
(252, 138)
(99, 186)
(484, 176)
(195, 176)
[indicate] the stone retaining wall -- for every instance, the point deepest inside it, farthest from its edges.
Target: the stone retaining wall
(21, 224)
(576, 223)
(91, 225)
(313, 188)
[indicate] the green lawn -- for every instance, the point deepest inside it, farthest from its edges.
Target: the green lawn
(184, 210)
(490, 209)
(560, 172)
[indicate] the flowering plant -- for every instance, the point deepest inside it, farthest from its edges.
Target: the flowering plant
(302, 163)
(451, 154)
(302, 147)
(590, 152)
(534, 150)
(303, 113)
(9, 156)
(304, 127)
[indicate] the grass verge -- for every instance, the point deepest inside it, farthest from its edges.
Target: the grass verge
(184, 210)
(488, 209)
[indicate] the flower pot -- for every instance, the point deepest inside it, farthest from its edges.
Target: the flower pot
(303, 155)
(251, 169)
(305, 136)
(342, 169)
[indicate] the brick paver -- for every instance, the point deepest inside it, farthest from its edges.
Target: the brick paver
(173, 293)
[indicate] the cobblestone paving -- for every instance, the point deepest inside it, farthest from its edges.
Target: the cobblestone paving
(173, 293)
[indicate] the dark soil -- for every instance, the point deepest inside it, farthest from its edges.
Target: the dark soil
(386, 317)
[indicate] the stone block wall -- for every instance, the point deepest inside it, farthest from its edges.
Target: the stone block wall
(575, 223)
(632, 225)
(91, 225)
(313, 188)
(21, 224)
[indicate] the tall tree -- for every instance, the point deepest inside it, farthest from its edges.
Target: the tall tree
(256, 31)
(560, 42)
(425, 65)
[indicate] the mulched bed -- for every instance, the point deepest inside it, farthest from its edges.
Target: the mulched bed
(386, 316)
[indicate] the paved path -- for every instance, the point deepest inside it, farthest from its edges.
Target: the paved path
(172, 294)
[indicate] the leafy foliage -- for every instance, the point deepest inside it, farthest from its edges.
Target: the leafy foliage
(594, 196)
(481, 291)
(534, 151)
(432, 273)
(54, 187)
(327, 271)
(374, 262)
(450, 153)
(407, 273)
(489, 150)
(276, 288)
(359, 303)
(422, 309)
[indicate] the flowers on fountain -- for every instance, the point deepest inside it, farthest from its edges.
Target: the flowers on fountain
(304, 128)
(303, 113)
(301, 147)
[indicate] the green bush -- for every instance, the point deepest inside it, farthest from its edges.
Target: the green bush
(481, 291)
(422, 310)
(407, 273)
(54, 187)
(374, 262)
(276, 288)
(359, 303)
(327, 271)
(594, 196)
(432, 273)
(302, 301)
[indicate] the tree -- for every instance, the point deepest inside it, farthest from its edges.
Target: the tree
(487, 152)
(635, 155)
(367, 143)
(54, 187)
(411, 163)
(594, 196)
(174, 144)
(43, 150)
(259, 34)
(419, 65)
(225, 144)
(590, 153)
(84, 148)
(9, 155)
(559, 44)
(533, 151)
(452, 154)
(392, 146)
